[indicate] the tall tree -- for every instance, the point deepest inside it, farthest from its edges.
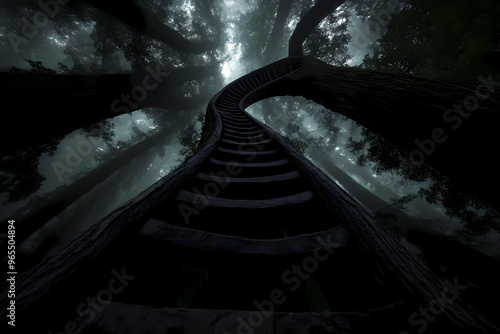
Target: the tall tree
(418, 106)
(71, 102)
(431, 121)
(308, 22)
(435, 40)
(92, 95)
(143, 18)
(276, 34)
(49, 206)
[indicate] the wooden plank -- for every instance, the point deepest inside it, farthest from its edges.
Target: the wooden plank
(256, 179)
(190, 197)
(334, 238)
(250, 164)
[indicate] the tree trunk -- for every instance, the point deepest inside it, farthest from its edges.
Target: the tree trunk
(284, 7)
(50, 107)
(387, 254)
(308, 22)
(176, 41)
(363, 195)
(52, 206)
(146, 22)
(428, 119)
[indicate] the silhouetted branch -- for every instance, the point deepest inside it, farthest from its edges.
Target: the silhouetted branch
(308, 22)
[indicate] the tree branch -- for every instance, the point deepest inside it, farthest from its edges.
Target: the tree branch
(308, 22)
(145, 21)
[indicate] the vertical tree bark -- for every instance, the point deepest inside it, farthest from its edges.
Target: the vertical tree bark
(284, 7)
(52, 206)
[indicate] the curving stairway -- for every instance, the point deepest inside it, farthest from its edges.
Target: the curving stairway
(243, 238)
(247, 186)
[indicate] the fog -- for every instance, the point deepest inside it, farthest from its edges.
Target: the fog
(87, 40)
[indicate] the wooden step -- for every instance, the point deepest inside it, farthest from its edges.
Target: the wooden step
(237, 122)
(235, 117)
(227, 141)
(187, 196)
(257, 179)
(241, 132)
(227, 135)
(234, 127)
(244, 185)
(229, 107)
(250, 164)
(232, 112)
(337, 237)
(249, 152)
(122, 318)
(233, 94)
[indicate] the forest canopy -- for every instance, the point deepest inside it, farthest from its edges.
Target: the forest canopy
(108, 97)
